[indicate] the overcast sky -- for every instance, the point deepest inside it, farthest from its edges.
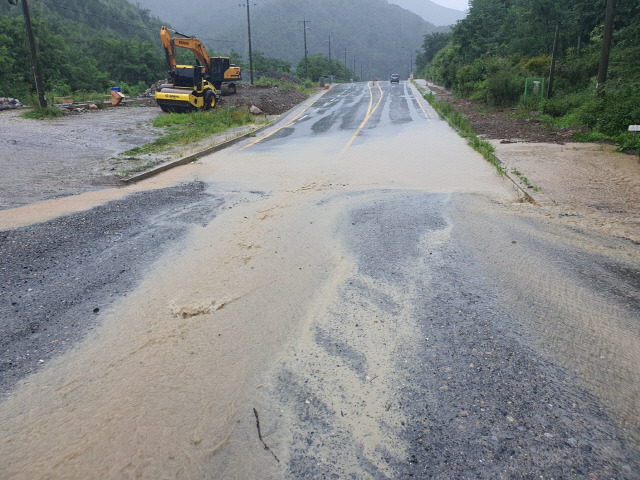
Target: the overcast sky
(457, 4)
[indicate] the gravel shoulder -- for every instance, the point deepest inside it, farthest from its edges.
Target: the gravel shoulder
(82, 151)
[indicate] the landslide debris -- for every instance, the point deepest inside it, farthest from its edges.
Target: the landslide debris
(500, 123)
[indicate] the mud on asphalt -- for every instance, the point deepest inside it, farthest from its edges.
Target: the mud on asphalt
(474, 396)
(58, 276)
(81, 152)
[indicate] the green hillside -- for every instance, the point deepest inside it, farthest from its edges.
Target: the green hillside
(82, 46)
(383, 37)
(489, 54)
(431, 12)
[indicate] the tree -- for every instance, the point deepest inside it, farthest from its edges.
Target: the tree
(261, 63)
(432, 44)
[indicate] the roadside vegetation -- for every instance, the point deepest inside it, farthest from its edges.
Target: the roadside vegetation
(183, 128)
(39, 113)
(488, 56)
(307, 86)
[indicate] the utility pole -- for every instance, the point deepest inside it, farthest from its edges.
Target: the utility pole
(354, 63)
(410, 62)
(345, 58)
(330, 67)
(249, 28)
(606, 48)
(552, 72)
(34, 56)
(306, 61)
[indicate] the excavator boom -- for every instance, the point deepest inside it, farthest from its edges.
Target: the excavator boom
(189, 43)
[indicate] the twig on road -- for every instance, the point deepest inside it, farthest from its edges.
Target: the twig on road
(260, 436)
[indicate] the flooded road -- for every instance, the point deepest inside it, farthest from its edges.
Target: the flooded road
(355, 289)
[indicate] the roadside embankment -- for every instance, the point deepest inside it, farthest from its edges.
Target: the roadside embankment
(589, 185)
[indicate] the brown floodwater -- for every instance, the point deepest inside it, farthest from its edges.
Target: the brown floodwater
(163, 387)
(155, 392)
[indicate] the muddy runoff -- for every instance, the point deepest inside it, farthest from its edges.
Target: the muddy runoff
(258, 301)
(159, 390)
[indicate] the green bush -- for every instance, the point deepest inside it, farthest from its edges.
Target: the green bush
(562, 105)
(628, 142)
(538, 66)
(45, 113)
(504, 87)
(620, 109)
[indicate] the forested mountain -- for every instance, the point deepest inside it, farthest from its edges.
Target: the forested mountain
(489, 54)
(382, 37)
(431, 12)
(82, 45)
(94, 44)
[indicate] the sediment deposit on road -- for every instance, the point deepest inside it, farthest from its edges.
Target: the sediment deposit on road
(356, 290)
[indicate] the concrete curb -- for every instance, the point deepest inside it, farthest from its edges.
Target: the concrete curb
(529, 198)
(216, 148)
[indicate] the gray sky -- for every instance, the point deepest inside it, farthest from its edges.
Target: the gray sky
(457, 4)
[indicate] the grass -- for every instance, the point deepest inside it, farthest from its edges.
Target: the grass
(307, 87)
(524, 179)
(39, 113)
(183, 128)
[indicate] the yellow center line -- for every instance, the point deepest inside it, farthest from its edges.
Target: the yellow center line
(369, 114)
(413, 89)
(284, 126)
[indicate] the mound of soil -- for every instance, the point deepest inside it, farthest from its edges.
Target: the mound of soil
(271, 100)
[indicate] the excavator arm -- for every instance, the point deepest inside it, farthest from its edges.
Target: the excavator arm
(189, 43)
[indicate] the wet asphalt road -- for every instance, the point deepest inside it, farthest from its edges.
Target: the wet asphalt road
(463, 303)
(57, 276)
(479, 395)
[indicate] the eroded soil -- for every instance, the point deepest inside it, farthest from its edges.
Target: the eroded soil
(589, 184)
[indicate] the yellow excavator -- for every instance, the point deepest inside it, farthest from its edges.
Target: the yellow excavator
(194, 87)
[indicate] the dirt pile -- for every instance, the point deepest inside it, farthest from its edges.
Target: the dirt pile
(283, 77)
(151, 91)
(271, 100)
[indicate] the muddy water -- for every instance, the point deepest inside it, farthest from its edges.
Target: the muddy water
(584, 308)
(164, 387)
(589, 185)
